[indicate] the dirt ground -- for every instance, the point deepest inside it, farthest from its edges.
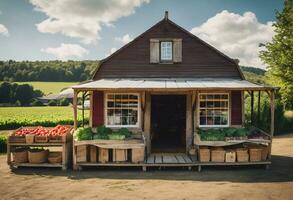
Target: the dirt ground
(212, 183)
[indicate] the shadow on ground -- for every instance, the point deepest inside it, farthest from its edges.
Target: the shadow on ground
(280, 171)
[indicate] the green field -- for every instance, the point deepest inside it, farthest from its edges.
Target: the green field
(49, 87)
(14, 117)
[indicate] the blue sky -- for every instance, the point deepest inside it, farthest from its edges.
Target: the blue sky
(87, 29)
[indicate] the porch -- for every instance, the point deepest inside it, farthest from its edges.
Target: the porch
(191, 89)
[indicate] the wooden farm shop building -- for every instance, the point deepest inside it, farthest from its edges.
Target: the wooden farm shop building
(183, 96)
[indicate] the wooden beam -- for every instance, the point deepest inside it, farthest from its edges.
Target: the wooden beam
(188, 122)
(243, 107)
(252, 108)
(272, 127)
(258, 109)
(147, 122)
(75, 108)
(83, 98)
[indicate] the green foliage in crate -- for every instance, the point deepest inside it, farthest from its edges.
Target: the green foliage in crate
(83, 134)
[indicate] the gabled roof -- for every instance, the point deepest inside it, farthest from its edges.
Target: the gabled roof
(161, 23)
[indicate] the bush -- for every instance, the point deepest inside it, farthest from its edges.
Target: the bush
(64, 102)
(36, 102)
(3, 144)
(52, 103)
(83, 133)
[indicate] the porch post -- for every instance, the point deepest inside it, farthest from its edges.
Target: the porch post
(147, 122)
(251, 108)
(75, 108)
(258, 110)
(83, 97)
(188, 121)
(272, 112)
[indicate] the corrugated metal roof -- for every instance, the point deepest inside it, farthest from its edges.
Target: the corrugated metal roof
(144, 84)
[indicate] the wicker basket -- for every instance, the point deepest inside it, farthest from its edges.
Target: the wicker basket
(218, 155)
(41, 139)
(38, 156)
(242, 155)
(204, 154)
(230, 156)
(255, 154)
(20, 156)
(55, 157)
(29, 138)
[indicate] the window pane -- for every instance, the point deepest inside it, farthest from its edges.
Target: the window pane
(166, 51)
(122, 109)
(213, 109)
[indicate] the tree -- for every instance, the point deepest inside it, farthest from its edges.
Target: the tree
(52, 103)
(279, 54)
(24, 93)
(5, 90)
(36, 102)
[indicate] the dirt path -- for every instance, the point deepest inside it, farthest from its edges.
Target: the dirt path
(211, 183)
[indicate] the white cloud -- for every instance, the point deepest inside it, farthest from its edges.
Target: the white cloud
(82, 18)
(112, 50)
(65, 51)
(124, 39)
(236, 35)
(4, 30)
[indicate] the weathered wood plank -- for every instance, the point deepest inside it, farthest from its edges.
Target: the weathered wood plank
(169, 159)
(159, 158)
(180, 159)
(151, 159)
(187, 159)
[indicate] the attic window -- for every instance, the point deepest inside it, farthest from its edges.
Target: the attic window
(166, 51)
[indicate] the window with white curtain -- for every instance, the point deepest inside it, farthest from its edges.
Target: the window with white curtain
(122, 109)
(166, 51)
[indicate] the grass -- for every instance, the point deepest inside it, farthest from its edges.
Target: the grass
(14, 117)
(49, 87)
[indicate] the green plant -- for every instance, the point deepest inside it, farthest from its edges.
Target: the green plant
(103, 130)
(125, 132)
(116, 136)
(3, 144)
(83, 134)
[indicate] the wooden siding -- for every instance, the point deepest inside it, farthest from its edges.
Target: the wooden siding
(199, 60)
(236, 108)
(98, 108)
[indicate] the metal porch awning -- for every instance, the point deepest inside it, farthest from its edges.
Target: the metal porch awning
(170, 84)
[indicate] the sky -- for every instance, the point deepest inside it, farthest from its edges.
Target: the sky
(93, 29)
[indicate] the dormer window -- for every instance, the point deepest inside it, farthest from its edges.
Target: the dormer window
(166, 51)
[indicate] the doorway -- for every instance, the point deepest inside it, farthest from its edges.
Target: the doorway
(168, 123)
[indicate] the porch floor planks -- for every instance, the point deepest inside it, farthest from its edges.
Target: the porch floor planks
(180, 159)
(159, 158)
(169, 159)
(151, 159)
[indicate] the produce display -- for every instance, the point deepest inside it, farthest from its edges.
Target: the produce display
(101, 132)
(225, 134)
(59, 130)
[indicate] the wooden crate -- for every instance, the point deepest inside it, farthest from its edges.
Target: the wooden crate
(93, 154)
(137, 155)
(217, 155)
(41, 139)
(12, 138)
(29, 138)
(64, 138)
(255, 154)
(264, 153)
(103, 155)
(119, 155)
(81, 153)
(204, 154)
(230, 156)
(242, 155)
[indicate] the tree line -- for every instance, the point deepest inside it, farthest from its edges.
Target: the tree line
(19, 95)
(71, 71)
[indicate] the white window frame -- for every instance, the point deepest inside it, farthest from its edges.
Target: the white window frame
(161, 58)
(122, 126)
(198, 110)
